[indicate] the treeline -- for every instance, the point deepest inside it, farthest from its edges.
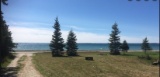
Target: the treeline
(57, 42)
(115, 46)
(6, 43)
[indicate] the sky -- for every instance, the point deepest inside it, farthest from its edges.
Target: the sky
(31, 21)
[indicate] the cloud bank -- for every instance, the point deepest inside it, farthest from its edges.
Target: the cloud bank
(44, 35)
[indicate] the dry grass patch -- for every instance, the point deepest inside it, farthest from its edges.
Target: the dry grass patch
(21, 62)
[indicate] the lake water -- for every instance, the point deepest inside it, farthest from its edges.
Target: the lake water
(81, 46)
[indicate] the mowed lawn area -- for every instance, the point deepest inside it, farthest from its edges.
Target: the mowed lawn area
(104, 65)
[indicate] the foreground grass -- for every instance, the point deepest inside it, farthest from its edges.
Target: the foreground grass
(7, 60)
(104, 65)
(21, 62)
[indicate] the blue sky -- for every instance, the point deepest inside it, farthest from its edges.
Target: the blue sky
(91, 20)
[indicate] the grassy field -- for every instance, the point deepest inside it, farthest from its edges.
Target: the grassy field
(104, 65)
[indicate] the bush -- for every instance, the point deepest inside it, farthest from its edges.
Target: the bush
(147, 57)
(115, 52)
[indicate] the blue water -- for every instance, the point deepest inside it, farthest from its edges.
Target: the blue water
(81, 46)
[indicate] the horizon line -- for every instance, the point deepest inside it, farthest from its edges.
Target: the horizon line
(64, 43)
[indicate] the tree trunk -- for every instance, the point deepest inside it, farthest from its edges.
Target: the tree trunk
(145, 51)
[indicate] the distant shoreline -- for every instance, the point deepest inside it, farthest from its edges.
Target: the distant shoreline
(81, 47)
(82, 51)
(80, 43)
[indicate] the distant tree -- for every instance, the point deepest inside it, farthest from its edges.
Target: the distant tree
(6, 43)
(145, 45)
(124, 46)
(71, 44)
(57, 42)
(114, 39)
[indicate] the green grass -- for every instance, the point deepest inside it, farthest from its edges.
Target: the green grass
(154, 56)
(7, 60)
(21, 62)
(104, 65)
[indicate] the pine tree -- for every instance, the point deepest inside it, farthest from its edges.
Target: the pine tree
(124, 46)
(114, 39)
(57, 42)
(71, 44)
(6, 43)
(4, 2)
(145, 45)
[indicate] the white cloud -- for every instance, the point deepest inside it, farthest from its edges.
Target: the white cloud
(86, 37)
(21, 34)
(44, 35)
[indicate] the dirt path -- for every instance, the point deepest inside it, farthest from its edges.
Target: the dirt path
(27, 71)
(11, 70)
(14, 62)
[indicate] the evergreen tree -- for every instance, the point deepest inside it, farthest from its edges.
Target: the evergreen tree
(145, 45)
(6, 43)
(4, 2)
(124, 46)
(57, 42)
(114, 39)
(71, 44)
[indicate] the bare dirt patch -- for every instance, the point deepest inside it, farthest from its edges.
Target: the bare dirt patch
(28, 70)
